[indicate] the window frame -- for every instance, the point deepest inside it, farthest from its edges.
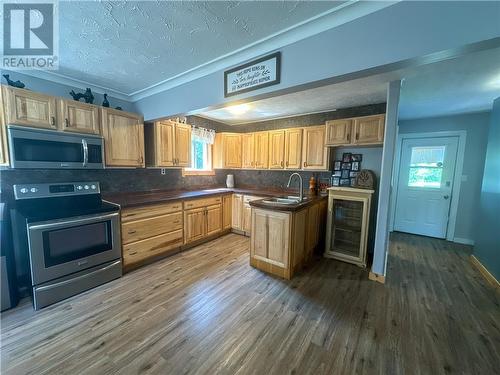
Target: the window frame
(202, 172)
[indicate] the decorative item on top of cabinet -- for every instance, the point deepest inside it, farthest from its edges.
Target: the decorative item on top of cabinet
(87, 96)
(27, 108)
(358, 131)
(168, 144)
(105, 102)
(123, 134)
(315, 156)
(79, 117)
(347, 224)
(12, 83)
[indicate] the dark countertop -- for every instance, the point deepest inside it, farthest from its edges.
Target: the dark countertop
(311, 199)
(141, 198)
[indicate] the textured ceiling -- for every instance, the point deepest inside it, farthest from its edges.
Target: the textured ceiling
(129, 45)
(466, 84)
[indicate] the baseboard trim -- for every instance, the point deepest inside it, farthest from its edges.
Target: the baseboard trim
(376, 277)
(463, 241)
(484, 271)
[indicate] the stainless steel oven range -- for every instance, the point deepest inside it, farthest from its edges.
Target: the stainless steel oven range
(66, 239)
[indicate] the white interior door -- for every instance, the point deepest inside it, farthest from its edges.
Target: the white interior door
(425, 185)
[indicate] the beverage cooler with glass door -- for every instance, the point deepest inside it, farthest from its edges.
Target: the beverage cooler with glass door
(347, 224)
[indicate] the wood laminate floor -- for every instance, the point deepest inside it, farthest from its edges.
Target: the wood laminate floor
(206, 311)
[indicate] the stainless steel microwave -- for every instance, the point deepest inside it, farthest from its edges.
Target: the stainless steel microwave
(50, 149)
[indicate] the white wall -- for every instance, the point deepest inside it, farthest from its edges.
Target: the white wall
(476, 126)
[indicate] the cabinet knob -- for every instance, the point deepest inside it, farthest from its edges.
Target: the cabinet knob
(131, 231)
(305, 164)
(132, 253)
(66, 122)
(357, 136)
(282, 163)
(52, 120)
(348, 137)
(287, 164)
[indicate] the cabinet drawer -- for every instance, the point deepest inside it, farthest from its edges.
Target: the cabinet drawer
(195, 203)
(137, 213)
(140, 250)
(141, 229)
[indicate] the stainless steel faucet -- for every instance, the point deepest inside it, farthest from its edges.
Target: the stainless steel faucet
(301, 185)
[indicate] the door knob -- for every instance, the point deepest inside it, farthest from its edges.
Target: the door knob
(446, 196)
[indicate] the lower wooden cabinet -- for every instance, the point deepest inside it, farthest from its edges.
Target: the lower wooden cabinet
(227, 211)
(150, 231)
(202, 221)
(283, 242)
(236, 214)
(242, 212)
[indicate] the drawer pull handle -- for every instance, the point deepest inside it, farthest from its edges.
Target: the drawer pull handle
(176, 222)
(131, 231)
(132, 253)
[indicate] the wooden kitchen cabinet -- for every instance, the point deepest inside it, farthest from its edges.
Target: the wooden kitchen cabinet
(227, 211)
(227, 150)
(261, 153)
(123, 134)
(369, 130)
(293, 148)
(168, 144)
(78, 117)
(28, 108)
(237, 212)
(151, 230)
(202, 218)
(4, 148)
(315, 155)
(246, 213)
(248, 150)
(356, 131)
(338, 132)
(277, 149)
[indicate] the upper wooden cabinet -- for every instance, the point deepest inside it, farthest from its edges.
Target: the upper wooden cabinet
(227, 150)
(168, 144)
(315, 155)
(358, 131)
(293, 148)
(248, 150)
(78, 117)
(368, 130)
(28, 108)
(261, 152)
(338, 132)
(277, 149)
(123, 134)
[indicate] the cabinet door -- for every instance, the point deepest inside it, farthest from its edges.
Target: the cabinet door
(237, 211)
(124, 138)
(194, 224)
(213, 219)
(227, 209)
(183, 145)
(338, 132)
(232, 150)
(4, 150)
(79, 117)
(315, 153)
(164, 143)
(247, 218)
(276, 149)
(247, 150)
(261, 153)
(312, 230)
(29, 108)
(293, 148)
(270, 242)
(369, 130)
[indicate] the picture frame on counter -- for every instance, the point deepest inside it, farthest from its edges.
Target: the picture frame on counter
(353, 182)
(345, 173)
(337, 173)
(337, 165)
(335, 181)
(357, 157)
(346, 166)
(346, 157)
(353, 174)
(345, 182)
(355, 166)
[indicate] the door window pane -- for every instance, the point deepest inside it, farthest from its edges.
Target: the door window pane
(426, 166)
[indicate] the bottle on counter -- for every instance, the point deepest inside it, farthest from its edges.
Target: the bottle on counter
(312, 186)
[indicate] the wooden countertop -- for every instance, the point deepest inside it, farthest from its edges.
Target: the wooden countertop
(311, 199)
(141, 198)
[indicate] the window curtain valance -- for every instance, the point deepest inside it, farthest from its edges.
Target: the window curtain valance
(203, 135)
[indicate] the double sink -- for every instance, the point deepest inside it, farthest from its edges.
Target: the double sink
(285, 200)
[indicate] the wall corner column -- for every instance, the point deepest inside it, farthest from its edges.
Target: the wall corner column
(385, 187)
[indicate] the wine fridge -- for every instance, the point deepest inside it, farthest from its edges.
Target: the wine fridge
(347, 224)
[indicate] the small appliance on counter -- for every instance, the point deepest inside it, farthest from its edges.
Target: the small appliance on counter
(66, 240)
(230, 181)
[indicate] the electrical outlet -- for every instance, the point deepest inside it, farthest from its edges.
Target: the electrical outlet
(163, 171)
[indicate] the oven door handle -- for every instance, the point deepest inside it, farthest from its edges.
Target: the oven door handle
(65, 223)
(93, 273)
(85, 152)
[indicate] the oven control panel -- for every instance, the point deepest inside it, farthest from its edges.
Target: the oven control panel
(28, 191)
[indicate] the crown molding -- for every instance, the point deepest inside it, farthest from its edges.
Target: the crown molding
(341, 14)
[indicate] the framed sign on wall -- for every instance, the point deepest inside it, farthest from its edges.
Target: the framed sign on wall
(253, 75)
